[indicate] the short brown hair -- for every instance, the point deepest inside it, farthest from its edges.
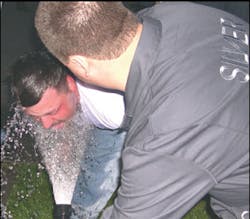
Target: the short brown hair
(100, 30)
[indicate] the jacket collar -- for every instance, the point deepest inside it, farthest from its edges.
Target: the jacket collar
(143, 60)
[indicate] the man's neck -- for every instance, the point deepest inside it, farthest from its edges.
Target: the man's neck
(114, 73)
(125, 60)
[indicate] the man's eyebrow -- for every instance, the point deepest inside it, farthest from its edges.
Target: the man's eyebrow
(53, 110)
(47, 113)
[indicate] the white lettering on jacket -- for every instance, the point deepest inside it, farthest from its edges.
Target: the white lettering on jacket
(234, 54)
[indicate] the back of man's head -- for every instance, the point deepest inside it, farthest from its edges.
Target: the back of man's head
(99, 30)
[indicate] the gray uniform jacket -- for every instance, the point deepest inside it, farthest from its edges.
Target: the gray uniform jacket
(187, 106)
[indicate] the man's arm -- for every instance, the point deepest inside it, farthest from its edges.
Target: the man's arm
(155, 185)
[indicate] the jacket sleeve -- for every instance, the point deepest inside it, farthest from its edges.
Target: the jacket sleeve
(158, 185)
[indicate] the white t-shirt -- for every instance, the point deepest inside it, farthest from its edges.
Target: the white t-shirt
(104, 109)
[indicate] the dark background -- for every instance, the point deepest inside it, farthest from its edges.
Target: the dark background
(18, 34)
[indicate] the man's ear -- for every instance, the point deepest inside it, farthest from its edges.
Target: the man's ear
(71, 83)
(79, 65)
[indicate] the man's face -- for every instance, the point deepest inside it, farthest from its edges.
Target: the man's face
(54, 108)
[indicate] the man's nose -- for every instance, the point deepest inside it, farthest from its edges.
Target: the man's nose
(46, 121)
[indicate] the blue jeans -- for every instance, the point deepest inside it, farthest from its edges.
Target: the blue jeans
(99, 175)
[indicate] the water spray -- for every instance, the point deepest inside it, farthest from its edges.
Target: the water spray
(62, 152)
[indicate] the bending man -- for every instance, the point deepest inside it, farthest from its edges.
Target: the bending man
(47, 92)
